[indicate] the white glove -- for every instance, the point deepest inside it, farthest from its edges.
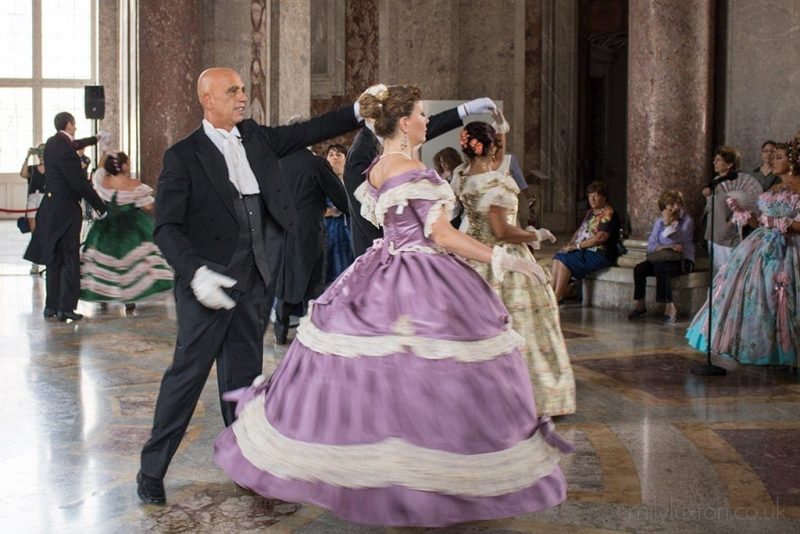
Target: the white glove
(103, 141)
(477, 107)
(374, 90)
(502, 261)
(542, 234)
(207, 287)
(500, 124)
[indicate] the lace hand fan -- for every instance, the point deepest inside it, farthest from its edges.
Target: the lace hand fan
(744, 189)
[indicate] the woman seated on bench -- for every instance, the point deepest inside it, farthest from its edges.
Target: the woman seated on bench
(594, 245)
(670, 253)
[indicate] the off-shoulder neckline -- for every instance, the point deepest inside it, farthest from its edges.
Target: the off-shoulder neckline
(392, 180)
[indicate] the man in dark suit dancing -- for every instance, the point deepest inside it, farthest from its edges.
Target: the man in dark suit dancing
(301, 275)
(56, 242)
(221, 212)
(367, 145)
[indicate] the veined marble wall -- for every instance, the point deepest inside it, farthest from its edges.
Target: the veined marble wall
(761, 95)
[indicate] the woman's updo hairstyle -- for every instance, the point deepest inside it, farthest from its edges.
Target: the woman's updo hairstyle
(114, 162)
(478, 139)
(389, 106)
(792, 149)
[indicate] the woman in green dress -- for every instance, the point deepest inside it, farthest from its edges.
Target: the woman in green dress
(489, 198)
(119, 261)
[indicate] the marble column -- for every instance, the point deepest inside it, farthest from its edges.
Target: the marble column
(559, 116)
(670, 103)
(289, 81)
(170, 59)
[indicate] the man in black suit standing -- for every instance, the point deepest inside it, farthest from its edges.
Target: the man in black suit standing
(366, 146)
(56, 242)
(301, 275)
(221, 212)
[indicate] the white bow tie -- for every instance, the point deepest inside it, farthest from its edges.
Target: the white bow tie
(239, 172)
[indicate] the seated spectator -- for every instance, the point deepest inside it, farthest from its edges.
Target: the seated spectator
(594, 245)
(670, 253)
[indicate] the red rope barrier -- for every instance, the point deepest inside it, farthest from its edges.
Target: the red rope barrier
(3, 210)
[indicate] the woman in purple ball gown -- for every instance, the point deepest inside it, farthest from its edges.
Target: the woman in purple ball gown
(404, 399)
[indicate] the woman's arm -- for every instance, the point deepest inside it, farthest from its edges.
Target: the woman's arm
(597, 239)
(501, 128)
(508, 233)
(447, 237)
(24, 172)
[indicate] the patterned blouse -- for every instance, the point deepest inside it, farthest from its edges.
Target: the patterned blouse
(596, 221)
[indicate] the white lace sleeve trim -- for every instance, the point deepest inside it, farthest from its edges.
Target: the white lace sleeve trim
(497, 196)
(352, 346)
(367, 200)
(393, 461)
(142, 195)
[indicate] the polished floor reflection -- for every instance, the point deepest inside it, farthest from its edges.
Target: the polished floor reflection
(658, 449)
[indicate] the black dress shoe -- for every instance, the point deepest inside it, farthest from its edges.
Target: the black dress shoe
(150, 490)
(49, 313)
(63, 316)
(636, 314)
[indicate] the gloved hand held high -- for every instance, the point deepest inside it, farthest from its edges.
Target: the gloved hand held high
(208, 285)
(500, 124)
(502, 261)
(375, 90)
(477, 107)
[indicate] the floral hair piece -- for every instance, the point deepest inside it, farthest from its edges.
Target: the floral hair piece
(465, 140)
(794, 150)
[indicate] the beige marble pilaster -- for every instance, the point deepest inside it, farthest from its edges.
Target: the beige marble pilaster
(670, 104)
(559, 98)
(289, 80)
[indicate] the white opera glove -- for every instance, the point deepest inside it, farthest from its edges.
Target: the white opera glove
(542, 234)
(477, 107)
(502, 261)
(208, 285)
(500, 124)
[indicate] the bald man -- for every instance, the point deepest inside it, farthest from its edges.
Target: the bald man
(221, 213)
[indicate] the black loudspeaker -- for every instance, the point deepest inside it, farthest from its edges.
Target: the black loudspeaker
(94, 101)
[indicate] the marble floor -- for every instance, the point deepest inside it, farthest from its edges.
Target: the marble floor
(658, 449)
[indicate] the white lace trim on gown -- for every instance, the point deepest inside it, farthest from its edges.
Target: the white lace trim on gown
(403, 341)
(393, 461)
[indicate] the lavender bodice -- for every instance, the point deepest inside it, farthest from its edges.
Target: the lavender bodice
(407, 205)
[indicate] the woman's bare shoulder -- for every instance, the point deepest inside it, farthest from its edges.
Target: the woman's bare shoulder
(392, 166)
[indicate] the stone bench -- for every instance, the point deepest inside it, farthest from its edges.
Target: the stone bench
(613, 288)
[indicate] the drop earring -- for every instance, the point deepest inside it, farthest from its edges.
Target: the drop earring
(404, 142)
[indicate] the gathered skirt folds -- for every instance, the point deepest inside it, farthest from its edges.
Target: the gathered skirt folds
(403, 401)
(754, 319)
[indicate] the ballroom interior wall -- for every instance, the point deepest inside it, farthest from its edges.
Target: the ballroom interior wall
(521, 52)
